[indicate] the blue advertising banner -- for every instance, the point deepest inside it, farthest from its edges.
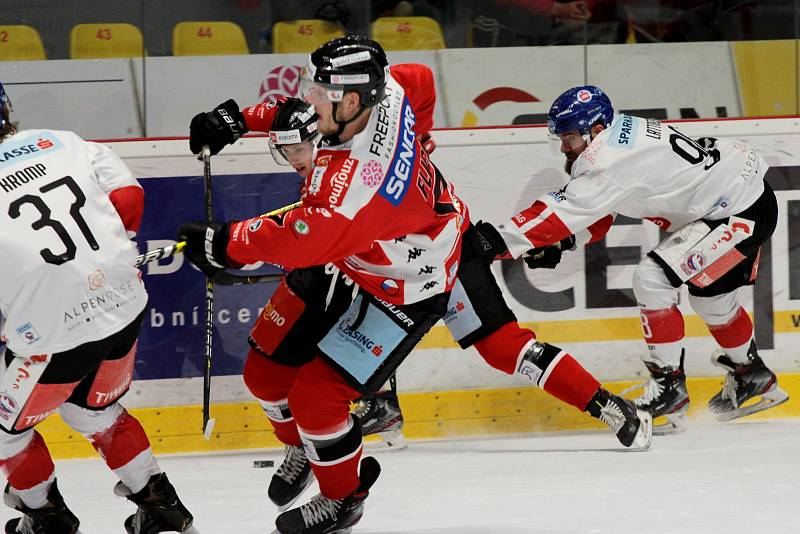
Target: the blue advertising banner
(171, 343)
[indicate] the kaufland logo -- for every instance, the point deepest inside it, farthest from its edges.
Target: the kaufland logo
(584, 96)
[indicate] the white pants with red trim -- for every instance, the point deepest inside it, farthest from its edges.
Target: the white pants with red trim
(663, 324)
(117, 436)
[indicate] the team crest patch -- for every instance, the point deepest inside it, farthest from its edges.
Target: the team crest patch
(694, 263)
(301, 227)
(255, 225)
(28, 334)
(583, 96)
(372, 173)
(8, 406)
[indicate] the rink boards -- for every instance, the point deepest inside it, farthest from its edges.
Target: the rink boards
(585, 305)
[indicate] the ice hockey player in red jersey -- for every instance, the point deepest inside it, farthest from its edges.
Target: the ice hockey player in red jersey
(71, 303)
(710, 194)
(380, 212)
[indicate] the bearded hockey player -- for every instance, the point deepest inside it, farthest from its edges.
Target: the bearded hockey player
(710, 194)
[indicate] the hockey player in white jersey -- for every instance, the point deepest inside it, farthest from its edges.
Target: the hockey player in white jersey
(72, 305)
(711, 195)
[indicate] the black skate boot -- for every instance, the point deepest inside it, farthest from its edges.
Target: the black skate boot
(665, 395)
(634, 428)
(53, 518)
(291, 478)
(380, 414)
(745, 381)
(160, 509)
(327, 516)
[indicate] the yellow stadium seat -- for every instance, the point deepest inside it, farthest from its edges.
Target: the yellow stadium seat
(105, 40)
(20, 43)
(211, 38)
(303, 35)
(408, 33)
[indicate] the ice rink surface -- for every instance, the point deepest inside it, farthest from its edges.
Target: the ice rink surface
(739, 478)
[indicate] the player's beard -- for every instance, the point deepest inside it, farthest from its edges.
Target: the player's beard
(570, 160)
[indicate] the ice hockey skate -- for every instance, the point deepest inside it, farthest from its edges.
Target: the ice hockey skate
(327, 516)
(291, 478)
(380, 414)
(55, 518)
(634, 428)
(160, 509)
(664, 395)
(745, 382)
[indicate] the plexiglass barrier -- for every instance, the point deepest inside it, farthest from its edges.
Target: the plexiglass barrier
(138, 68)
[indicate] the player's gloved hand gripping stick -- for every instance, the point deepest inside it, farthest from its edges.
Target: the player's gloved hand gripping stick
(221, 277)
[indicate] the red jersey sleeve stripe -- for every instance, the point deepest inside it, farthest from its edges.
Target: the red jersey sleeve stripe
(129, 203)
(549, 231)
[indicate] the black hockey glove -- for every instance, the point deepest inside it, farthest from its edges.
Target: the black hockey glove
(206, 246)
(221, 126)
(550, 256)
(486, 241)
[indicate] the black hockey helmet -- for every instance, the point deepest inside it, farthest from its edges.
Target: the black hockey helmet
(5, 106)
(352, 63)
(295, 123)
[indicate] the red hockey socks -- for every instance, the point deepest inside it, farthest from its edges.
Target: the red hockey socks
(664, 331)
(513, 349)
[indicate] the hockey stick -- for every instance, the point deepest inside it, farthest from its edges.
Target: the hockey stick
(177, 248)
(208, 423)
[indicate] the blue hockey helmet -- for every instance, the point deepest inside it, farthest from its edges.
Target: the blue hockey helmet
(579, 109)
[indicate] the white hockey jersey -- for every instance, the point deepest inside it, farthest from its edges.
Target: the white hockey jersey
(67, 268)
(644, 169)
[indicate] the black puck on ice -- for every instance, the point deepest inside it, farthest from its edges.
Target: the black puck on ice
(263, 463)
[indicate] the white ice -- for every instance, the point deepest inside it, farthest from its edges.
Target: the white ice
(741, 478)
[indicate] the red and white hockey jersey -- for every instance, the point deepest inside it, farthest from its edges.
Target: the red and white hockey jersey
(374, 206)
(644, 169)
(68, 276)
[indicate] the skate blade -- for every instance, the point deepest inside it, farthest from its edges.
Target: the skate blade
(347, 530)
(673, 423)
(391, 441)
(768, 400)
(644, 436)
